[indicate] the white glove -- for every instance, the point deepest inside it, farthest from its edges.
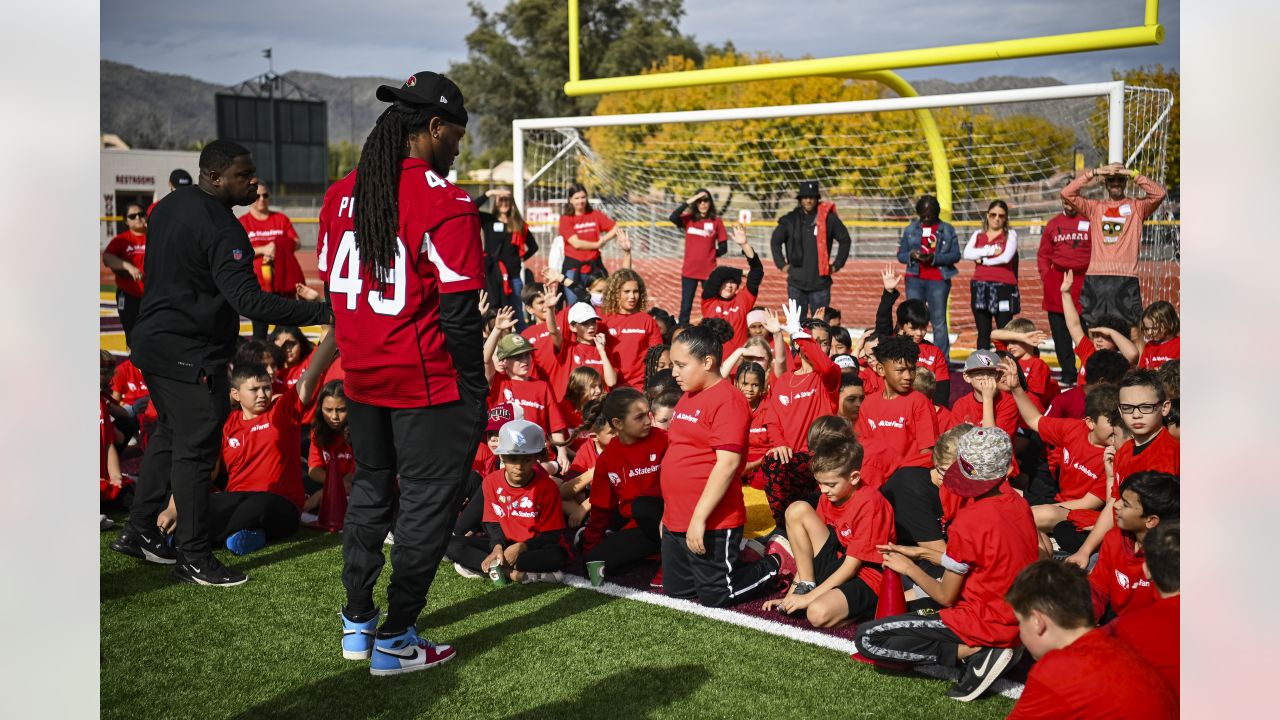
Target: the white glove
(791, 326)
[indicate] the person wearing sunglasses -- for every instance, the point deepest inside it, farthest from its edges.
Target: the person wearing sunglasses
(275, 245)
(125, 256)
(993, 290)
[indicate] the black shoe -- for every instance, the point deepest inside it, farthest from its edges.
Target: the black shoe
(983, 668)
(149, 546)
(208, 571)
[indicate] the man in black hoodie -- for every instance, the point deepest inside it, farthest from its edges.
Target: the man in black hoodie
(802, 247)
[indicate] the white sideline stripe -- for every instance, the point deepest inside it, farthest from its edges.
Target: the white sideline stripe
(1004, 687)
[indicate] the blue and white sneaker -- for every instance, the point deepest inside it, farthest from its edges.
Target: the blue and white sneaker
(357, 638)
(246, 541)
(407, 653)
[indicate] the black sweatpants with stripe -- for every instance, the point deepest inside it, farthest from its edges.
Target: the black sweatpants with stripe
(716, 578)
(916, 638)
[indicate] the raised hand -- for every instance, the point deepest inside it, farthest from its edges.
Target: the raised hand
(551, 296)
(740, 234)
(505, 320)
(484, 303)
(889, 277)
(1067, 279)
(791, 312)
(1035, 337)
(624, 240)
(771, 322)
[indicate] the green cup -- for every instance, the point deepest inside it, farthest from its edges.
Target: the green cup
(595, 572)
(498, 577)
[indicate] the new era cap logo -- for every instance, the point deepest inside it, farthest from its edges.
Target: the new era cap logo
(446, 102)
(413, 80)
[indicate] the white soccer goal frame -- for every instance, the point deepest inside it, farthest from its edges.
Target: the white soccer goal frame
(1113, 91)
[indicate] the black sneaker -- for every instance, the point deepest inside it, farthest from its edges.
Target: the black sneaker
(208, 571)
(149, 546)
(983, 668)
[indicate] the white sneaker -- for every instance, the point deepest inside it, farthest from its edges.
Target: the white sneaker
(105, 523)
(554, 576)
(466, 572)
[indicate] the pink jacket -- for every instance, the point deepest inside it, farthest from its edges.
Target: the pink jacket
(1116, 226)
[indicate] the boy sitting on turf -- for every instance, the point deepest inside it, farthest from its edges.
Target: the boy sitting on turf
(990, 541)
(1080, 672)
(913, 321)
(1021, 338)
(896, 424)
(524, 526)
(837, 566)
(1118, 580)
(986, 406)
(512, 381)
(1153, 631)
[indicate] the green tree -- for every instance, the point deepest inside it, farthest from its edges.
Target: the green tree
(343, 158)
(518, 58)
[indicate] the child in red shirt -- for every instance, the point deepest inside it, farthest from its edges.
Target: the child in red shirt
(1160, 333)
(896, 424)
(1117, 580)
(704, 513)
(724, 296)
(524, 526)
(991, 540)
(537, 329)
(626, 500)
(752, 380)
(924, 383)
(578, 345)
(837, 565)
(986, 406)
(1021, 338)
(913, 321)
(1106, 333)
(330, 446)
(629, 330)
(1153, 631)
(1080, 672)
(511, 381)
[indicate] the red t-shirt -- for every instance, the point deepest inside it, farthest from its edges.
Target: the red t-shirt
(1154, 633)
(952, 503)
(1082, 470)
(392, 347)
(1160, 454)
(286, 270)
(700, 240)
(1039, 380)
(544, 351)
(798, 400)
(1117, 580)
(573, 355)
(942, 419)
(339, 450)
(996, 538)
(872, 383)
(588, 454)
(1097, 676)
(758, 435)
(862, 522)
(1068, 404)
(534, 398)
(733, 311)
(335, 372)
(106, 437)
(929, 246)
(261, 454)
(628, 338)
(716, 418)
(128, 381)
(1065, 245)
(931, 357)
(523, 512)
(1155, 354)
(969, 410)
(588, 228)
(623, 473)
(131, 247)
(895, 433)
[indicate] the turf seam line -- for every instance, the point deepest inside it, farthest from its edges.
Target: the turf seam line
(1004, 687)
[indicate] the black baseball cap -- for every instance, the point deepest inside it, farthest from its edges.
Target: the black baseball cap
(179, 177)
(428, 90)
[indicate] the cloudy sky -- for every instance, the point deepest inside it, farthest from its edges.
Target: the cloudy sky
(222, 42)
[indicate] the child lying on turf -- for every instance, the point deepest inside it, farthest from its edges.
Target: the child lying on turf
(833, 547)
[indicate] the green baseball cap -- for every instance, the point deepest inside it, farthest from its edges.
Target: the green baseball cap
(513, 345)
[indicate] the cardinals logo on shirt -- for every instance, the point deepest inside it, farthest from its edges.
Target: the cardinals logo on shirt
(1122, 580)
(613, 331)
(497, 510)
(234, 442)
(413, 80)
(614, 479)
(1066, 456)
(785, 400)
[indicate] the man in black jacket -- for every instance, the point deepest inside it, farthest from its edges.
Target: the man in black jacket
(200, 281)
(802, 246)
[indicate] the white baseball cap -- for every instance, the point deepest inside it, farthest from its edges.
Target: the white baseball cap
(582, 312)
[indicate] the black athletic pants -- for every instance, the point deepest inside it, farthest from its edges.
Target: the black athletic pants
(688, 291)
(430, 449)
(231, 512)
(472, 514)
(917, 509)
(127, 307)
(545, 553)
(622, 549)
(181, 455)
(910, 638)
(983, 320)
(715, 578)
(1063, 347)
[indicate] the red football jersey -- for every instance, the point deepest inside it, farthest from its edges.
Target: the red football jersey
(628, 338)
(588, 228)
(392, 347)
(734, 312)
(523, 512)
(700, 240)
(717, 418)
(895, 433)
(860, 523)
(1160, 454)
(132, 247)
(286, 271)
(1155, 354)
(1154, 632)
(623, 473)
(1117, 579)
(1097, 676)
(261, 453)
(1082, 470)
(995, 537)
(932, 357)
(534, 398)
(339, 449)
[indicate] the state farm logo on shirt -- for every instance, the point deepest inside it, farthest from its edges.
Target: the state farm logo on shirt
(1092, 475)
(900, 423)
(627, 331)
(263, 426)
(705, 231)
(764, 429)
(647, 470)
(801, 395)
(687, 417)
(928, 359)
(588, 225)
(260, 234)
(614, 480)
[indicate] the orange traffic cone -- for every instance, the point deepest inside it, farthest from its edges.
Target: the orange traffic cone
(892, 601)
(333, 507)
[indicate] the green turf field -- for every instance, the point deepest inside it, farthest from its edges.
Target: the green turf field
(269, 649)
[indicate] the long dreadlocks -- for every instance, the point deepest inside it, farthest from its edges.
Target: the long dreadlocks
(377, 193)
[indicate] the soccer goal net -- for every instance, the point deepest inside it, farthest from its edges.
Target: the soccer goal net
(872, 158)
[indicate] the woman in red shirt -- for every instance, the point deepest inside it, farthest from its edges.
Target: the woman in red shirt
(993, 291)
(704, 241)
(275, 247)
(585, 232)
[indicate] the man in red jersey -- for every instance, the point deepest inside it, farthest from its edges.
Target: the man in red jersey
(1065, 245)
(125, 256)
(404, 266)
(275, 246)
(1080, 672)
